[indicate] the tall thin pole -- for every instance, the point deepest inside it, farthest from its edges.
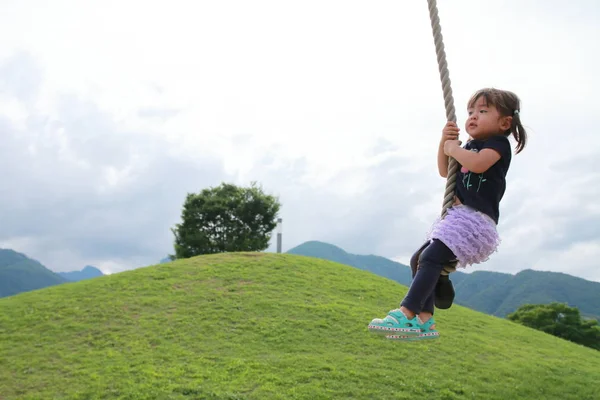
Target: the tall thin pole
(279, 234)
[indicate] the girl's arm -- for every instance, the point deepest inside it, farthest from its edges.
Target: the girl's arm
(474, 162)
(442, 160)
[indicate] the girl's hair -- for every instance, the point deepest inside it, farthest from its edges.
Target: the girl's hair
(508, 105)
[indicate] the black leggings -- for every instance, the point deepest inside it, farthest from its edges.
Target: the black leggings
(421, 294)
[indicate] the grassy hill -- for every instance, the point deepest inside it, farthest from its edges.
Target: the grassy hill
(18, 273)
(490, 292)
(266, 326)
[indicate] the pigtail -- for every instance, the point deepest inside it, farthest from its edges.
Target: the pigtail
(518, 131)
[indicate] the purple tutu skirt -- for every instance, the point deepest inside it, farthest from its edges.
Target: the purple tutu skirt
(470, 234)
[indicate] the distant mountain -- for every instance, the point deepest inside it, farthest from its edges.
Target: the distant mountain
(19, 273)
(500, 294)
(379, 265)
(88, 272)
(493, 293)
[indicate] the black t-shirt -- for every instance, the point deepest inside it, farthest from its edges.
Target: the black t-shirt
(484, 191)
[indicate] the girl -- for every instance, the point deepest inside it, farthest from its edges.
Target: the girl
(467, 234)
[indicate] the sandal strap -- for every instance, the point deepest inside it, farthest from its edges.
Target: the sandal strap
(398, 316)
(426, 326)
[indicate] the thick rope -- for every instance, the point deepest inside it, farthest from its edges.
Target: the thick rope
(450, 113)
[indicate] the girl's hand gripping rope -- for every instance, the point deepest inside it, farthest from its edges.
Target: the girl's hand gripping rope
(450, 131)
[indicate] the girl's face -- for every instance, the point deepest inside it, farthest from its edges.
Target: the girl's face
(485, 121)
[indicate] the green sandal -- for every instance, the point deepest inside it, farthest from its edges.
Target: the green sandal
(428, 332)
(395, 322)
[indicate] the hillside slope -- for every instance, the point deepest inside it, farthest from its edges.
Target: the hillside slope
(18, 273)
(493, 293)
(266, 326)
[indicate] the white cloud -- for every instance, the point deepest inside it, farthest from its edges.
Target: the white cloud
(335, 106)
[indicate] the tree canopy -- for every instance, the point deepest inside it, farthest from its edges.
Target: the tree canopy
(560, 320)
(225, 218)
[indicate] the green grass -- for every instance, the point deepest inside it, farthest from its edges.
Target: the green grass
(266, 326)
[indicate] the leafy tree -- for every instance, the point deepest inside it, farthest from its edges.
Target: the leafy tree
(225, 218)
(560, 320)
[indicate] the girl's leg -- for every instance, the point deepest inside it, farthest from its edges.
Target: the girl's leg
(414, 260)
(420, 296)
(428, 306)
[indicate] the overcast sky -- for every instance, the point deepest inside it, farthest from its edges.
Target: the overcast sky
(111, 111)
